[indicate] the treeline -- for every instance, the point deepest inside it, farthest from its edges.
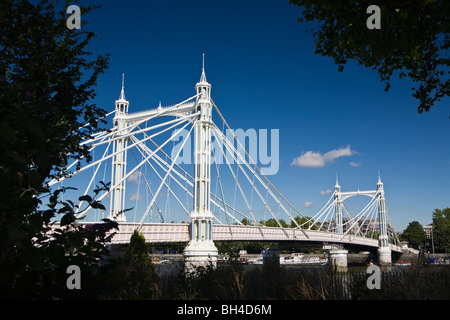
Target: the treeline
(304, 222)
(439, 237)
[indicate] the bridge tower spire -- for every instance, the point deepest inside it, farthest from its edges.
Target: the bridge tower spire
(201, 249)
(384, 251)
(338, 207)
(119, 160)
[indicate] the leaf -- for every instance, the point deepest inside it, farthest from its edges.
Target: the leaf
(68, 218)
(97, 205)
(85, 198)
(34, 178)
(66, 208)
(413, 39)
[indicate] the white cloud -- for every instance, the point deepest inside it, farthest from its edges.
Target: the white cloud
(135, 196)
(308, 204)
(354, 164)
(316, 159)
(322, 192)
(134, 177)
(309, 159)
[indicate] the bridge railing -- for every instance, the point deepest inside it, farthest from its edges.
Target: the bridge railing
(157, 232)
(273, 234)
(179, 232)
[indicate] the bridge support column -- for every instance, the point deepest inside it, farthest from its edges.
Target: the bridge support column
(384, 251)
(338, 208)
(119, 163)
(271, 256)
(201, 250)
(337, 259)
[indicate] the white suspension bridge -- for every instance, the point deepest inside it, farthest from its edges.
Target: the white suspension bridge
(223, 200)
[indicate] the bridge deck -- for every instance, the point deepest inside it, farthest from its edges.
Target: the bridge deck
(179, 232)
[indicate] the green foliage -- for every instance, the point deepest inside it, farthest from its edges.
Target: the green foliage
(305, 222)
(273, 223)
(137, 250)
(133, 276)
(413, 40)
(414, 234)
(47, 76)
(208, 282)
(441, 230)
(233, 247)
(36, 268)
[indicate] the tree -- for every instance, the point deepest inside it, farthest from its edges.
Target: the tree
(308, 222)
(441, 230)
(273, 223)
(413, 40)
(414, 234)
(47, 81)
(132, 276)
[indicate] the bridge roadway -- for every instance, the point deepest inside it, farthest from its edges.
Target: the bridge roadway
(179, 232)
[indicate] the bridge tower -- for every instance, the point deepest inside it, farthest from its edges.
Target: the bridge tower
(201, 249)
(384, 251)
(119, 160)
(338, 208)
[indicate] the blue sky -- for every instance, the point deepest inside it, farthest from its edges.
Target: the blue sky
(265, 75)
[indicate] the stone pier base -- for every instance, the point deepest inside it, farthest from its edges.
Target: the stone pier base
(337, 260)
(384, 257)
(200, 254)
(271, 256)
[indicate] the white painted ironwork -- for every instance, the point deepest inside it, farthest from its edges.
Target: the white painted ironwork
(134, 137)
(180, 232)
(201, 248)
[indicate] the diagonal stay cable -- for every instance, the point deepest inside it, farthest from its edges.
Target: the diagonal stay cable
(134, 169)
(240, 188)
(165, 177)
(268, 181)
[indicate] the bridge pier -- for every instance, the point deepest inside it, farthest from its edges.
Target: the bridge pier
(200, 254)
(271, 256)
(337, 260)
(337, 257)
(384, 257)
(201, 250)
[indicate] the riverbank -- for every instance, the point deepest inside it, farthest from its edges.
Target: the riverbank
(234, 281)
(352, 258)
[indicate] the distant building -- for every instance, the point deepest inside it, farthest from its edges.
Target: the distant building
(404, 245)
(406, 249)
(428, 230)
